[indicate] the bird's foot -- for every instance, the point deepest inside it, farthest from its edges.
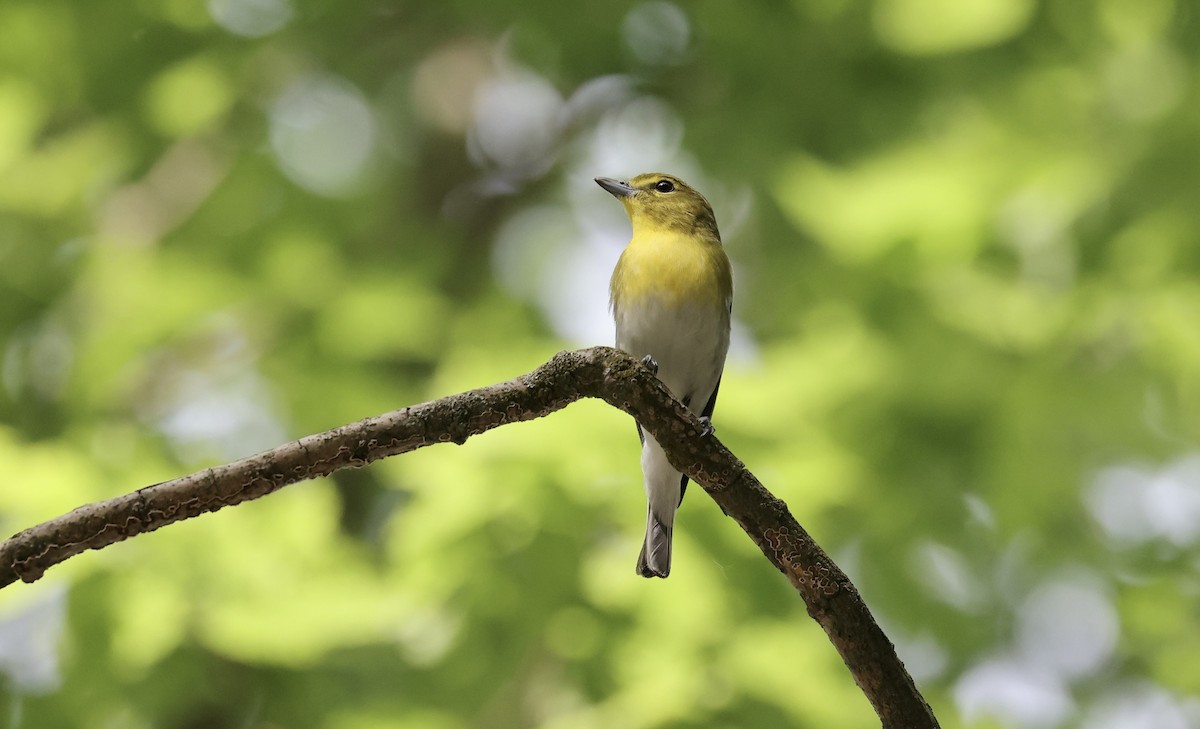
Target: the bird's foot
(706, 426)
(649, 362)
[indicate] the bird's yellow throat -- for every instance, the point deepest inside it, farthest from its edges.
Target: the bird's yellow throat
(673, 267)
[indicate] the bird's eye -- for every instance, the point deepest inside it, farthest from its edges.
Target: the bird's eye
(664, 186)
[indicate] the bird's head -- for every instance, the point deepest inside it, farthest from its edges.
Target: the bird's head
(657, 200)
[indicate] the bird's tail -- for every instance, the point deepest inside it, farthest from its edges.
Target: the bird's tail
(655, 557)
(663, 492)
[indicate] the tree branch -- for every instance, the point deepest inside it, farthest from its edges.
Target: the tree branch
(600, 372)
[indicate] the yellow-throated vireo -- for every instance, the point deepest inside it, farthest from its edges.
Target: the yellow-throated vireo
(671, 297)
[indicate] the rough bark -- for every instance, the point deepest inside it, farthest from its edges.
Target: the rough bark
(599, 372)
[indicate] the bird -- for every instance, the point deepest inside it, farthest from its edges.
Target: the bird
(671, 297)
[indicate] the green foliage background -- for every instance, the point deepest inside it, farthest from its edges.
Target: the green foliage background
(967, 356)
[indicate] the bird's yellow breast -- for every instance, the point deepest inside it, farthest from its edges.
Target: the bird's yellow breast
(673, 268)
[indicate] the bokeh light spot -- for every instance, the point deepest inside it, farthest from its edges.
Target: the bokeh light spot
(322, 133)
(927, 27)
(657, 33)
(641, 136)
(1134, 504)
(1012, 692)
(251, 18)
(1142, 706)
(947, 575)
(1068, 626)
(188, 98)
(517, 121)
(24, 112)
(29, 640)
(1145, 83)
(444, 84)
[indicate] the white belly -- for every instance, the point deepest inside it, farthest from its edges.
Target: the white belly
(689, 342)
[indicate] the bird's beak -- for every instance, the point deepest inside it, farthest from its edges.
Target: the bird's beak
(617, 188)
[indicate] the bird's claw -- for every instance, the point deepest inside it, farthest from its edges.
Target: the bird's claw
(706, 426)
(651, 364)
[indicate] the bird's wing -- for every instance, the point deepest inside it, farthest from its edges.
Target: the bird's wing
(712, 401)
(706, 413)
